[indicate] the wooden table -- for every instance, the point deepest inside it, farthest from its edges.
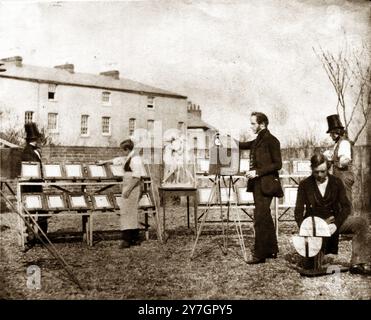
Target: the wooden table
(188, 192)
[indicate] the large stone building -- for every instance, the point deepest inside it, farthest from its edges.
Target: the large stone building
(78, 109)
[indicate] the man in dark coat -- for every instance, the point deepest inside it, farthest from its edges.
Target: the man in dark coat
(32, 153)
(324, 195)
(265, 162)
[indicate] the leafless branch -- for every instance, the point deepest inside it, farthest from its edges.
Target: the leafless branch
(350, 78)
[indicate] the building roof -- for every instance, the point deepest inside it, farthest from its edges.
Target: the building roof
(61, 76)
(195, 122)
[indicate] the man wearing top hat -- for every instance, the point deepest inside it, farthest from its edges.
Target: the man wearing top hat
(32, 153)
(341, 155)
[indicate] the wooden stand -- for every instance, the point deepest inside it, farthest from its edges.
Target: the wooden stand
(188, 192)
(318, 268)
(86, 215)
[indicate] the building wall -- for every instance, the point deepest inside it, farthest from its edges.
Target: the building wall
(17, 97)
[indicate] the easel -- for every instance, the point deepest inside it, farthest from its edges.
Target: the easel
(216, 194)
(149, 188)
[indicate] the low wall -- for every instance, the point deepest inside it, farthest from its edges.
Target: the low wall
(62, 154)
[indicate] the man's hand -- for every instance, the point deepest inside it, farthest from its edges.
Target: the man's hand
(329, 155)
(330, 220)
(332, 227)
(251, 174)
(126, 194)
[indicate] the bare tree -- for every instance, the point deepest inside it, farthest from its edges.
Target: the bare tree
(350, 75)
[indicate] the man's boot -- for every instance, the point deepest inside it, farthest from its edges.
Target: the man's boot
(126, 239)
(135, 239)
(43, 223)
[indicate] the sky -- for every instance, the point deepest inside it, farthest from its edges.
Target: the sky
(229, 57)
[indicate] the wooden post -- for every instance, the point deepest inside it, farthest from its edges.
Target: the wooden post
(188, 212)
(276, 214)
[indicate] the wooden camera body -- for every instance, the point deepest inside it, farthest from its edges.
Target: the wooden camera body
(224, 157)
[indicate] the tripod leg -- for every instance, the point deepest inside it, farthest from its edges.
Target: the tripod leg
(156, 201)
(237, 222)
(219, 195)
(211, 197)
(229, 203)
(240, 236)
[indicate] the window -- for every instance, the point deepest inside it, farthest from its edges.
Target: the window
(195, 146)
(150, 126)
(207, 146)
(51, 91)
(53, 122)
(28, 116)
(181, 127)
(106, 97)
(106, 125)
(150, 102)
(131, 126)
(84, 125)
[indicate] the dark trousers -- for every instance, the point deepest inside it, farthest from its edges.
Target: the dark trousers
(357, 227)
(265, 234)
(347, 177)
(41, 221)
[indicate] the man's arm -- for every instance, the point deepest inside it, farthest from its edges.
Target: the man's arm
(344, 154)
(275, 150)
(299, 207)
(344, 203)
(130, 186)
(29, 155)
(244, 145)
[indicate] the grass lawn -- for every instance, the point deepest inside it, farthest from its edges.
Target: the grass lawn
(155, 271)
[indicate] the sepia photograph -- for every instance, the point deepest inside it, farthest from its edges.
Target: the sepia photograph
(210, 151)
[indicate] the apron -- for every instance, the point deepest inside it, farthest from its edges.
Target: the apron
(346, 174)
(129, 207)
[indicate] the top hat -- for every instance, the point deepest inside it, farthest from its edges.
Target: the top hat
(334, 123)
(32, 132)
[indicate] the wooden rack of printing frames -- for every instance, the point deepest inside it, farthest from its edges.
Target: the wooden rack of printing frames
(82, 189)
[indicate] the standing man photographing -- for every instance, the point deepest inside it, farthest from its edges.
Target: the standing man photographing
(265, 162)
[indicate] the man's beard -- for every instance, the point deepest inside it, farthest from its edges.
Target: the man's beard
(321, 179)
(336, 139)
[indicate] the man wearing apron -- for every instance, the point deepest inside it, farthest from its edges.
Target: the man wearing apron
(132, 182)
(341, 159)
(341, 155)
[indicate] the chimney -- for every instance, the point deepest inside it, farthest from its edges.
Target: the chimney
(67, 66)
(17, 60)
(195, 110)
(115, 74)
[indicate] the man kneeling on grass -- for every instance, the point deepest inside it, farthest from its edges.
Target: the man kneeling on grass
(324, 195)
